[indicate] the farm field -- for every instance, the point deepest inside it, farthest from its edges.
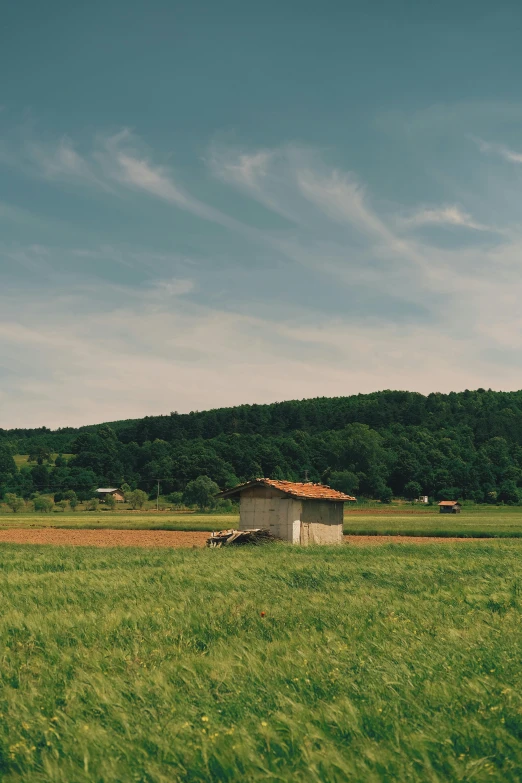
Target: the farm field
(473, 521)
(326, 665)
(483, 522)
(118, 520)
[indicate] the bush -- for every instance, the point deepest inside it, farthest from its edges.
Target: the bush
(110, 502)
(226, 507)
(93, 504)
(176, 498)
(386, 495)
(14, 502)
(137, 498)
(72, 497)
(43, 504)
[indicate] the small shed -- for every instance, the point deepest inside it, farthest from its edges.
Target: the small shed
(449, 507)
(299, 513)
(116, 493)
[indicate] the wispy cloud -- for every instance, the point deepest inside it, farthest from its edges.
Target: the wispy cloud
(441, 216)
(244, 169)
(353, 292)
(499, 149)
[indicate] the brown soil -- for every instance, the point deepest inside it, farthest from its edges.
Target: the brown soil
(61, 537)
(377, 540)
(173, 538)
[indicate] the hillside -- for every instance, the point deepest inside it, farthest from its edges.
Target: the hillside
(466, 444)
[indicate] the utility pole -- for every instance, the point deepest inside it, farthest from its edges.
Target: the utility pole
(157, 497)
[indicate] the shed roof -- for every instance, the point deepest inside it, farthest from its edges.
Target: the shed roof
(303, 491)
(449, 503)
(108, 489)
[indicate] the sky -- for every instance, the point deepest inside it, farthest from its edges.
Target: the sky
(207, 204)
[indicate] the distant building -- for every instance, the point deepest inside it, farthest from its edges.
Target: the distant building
(116, 493)
(449, 507)
(423, 499)
(299, 513)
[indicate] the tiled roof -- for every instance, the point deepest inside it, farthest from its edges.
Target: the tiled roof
(449, 503)
(294, 489)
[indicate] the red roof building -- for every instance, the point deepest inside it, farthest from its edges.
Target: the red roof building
(301, 513)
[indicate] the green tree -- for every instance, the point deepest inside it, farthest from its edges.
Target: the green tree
(110, 502)
(201, 492)
(7, 463)
(62, 504)
(43, 504)
(14, 502)
(509, 492)
(125, 490)
(412, 490)
(72, 497)
(344, 481)
(40, 454)
(386, 495)
(93, 504)
(137, 498)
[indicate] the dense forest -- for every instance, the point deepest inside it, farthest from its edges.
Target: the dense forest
(390, 443)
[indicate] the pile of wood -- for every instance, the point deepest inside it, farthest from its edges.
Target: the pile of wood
(240, 537)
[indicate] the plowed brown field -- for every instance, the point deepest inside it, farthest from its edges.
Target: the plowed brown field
(173, 538)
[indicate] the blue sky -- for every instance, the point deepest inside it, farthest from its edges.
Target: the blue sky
(205, 204)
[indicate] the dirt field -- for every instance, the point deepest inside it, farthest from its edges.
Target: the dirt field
(172, 538)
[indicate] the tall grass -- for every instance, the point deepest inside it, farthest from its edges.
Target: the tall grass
(496, 523)
(389, 664)
(97, 520)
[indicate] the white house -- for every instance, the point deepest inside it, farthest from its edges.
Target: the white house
(299, 513)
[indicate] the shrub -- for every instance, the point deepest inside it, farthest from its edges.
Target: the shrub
(386, 495)
(43, 504)
(110, 502)
(14, 502)
(176, 498)
(93, 504)
(72, 497)
(137, 498)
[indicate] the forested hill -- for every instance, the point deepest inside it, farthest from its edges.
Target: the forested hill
(466, 444)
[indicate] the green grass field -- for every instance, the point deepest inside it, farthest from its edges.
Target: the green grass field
(397, 663)
(22, 460)
(121, 520)
(483, 522)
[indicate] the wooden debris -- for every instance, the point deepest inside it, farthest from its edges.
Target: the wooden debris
(240, 537)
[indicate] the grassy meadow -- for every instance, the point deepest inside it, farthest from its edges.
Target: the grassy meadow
(474, 521)
(22, 460)
(397, 663)
(121, 520)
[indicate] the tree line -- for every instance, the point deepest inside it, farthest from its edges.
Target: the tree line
(461, 445)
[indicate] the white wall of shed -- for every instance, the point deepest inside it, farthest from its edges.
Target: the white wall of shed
(322, 522)
(268, 508)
